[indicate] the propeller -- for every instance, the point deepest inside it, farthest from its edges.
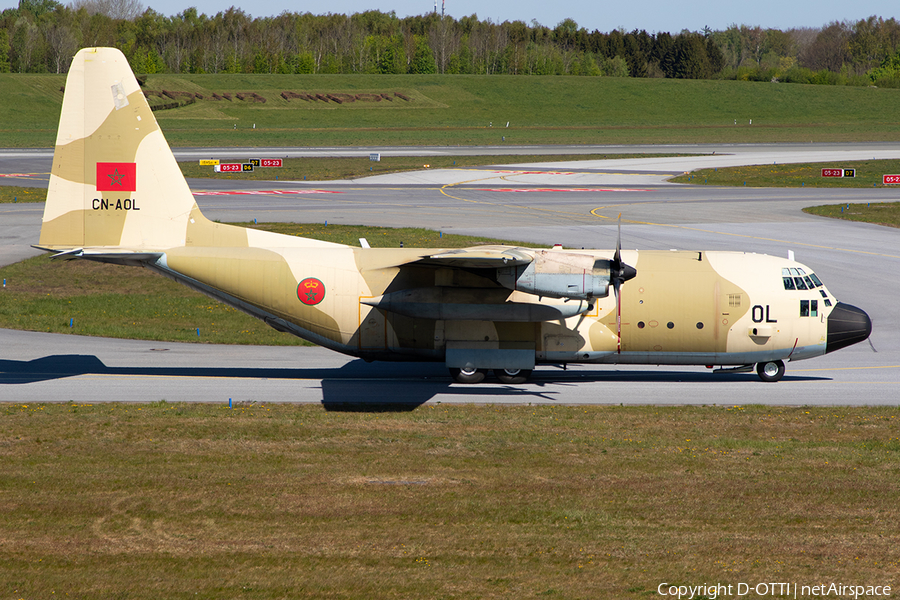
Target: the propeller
(619, 273)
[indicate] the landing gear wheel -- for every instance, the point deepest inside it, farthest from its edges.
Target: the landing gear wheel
(770, 371)
(513, 375)
(468, 375)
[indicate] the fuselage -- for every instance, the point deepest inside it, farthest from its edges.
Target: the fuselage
(702, 308)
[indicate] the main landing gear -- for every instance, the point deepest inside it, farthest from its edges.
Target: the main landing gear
(468, 375)
(473, 375)
(512, 375)
(770, 371)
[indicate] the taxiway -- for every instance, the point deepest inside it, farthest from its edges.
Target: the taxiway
(570, 203)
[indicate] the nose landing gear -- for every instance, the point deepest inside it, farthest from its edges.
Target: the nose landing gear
(770, 371)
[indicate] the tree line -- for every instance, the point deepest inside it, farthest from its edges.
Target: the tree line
(41, 36)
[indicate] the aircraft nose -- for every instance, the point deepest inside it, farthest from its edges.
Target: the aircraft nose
(847, 325)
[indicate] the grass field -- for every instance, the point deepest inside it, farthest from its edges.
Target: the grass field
(868, 174)
(85, 298)
(279, 501)
(464, 110)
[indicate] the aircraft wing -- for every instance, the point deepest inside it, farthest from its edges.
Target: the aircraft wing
(551, 273)
(478, 258)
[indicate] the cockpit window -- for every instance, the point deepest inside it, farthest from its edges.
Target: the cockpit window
(795, 278)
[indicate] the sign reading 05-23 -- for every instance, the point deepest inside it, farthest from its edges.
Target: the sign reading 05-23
(311, 291)
(115, 177)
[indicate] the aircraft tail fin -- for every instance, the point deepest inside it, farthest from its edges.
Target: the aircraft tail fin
(114, 181)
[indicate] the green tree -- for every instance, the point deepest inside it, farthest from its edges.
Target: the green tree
(588, 66)
(4, 51)
(615, 67)
(691, 60)
(423, 62)
(715, 56)
(388, 54)
(306, 63)
(39, 7)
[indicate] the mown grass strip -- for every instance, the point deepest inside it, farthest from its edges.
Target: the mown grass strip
(880, 213)
(331, 168)
(86, 298)
(868, 174)
(11, 194)
(272, 501)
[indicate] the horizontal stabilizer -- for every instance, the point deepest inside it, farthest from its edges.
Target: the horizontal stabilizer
(122, 257)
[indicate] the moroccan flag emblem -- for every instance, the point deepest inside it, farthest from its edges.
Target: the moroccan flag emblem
(116, 177)
(311, 291)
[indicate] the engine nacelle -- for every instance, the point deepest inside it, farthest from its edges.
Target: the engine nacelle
(559, 275)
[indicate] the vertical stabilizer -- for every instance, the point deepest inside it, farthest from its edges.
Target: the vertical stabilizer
(114, 181)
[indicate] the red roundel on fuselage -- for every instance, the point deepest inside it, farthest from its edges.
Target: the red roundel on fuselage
(311, 291)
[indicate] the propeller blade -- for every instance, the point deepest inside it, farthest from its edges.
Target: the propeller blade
(619, 237)
(619, 273)
(618, 292)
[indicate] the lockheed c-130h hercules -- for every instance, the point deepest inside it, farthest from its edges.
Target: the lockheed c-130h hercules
(117, 195)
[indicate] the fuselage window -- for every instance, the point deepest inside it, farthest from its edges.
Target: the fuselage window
(816, 280)
(827, 302)
(809, 283)
(799, 283)
(789, 283)
(804, 308)
(814, 308)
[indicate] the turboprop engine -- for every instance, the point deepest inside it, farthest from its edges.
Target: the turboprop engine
(557, 274)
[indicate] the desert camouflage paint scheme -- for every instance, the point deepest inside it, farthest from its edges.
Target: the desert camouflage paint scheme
(117, 195)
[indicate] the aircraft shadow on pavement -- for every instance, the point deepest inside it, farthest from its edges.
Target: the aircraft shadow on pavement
(358, 386)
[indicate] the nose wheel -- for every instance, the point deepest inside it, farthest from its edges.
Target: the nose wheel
(770, 371)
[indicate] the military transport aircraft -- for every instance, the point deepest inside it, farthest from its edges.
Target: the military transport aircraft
(117, 195)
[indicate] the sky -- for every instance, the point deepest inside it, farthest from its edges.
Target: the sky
(603, 15)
